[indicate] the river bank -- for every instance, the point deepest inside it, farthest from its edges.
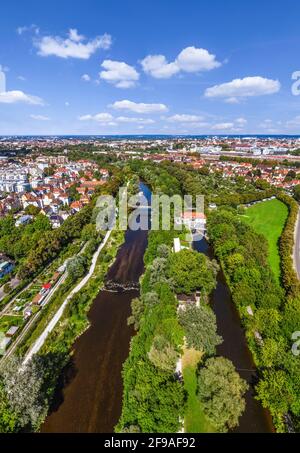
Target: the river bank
(255, 419)
(89, 395)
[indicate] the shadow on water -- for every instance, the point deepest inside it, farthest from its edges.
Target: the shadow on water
(66, 377)
(89, 392)
(234, 347)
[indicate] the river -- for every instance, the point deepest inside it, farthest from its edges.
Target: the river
(89, 394)
(234, 347)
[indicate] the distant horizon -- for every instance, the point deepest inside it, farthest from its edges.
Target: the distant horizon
(149, 135)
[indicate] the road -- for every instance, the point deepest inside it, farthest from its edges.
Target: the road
(42, 338)
(297, 246)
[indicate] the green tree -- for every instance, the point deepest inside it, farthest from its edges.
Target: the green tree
(6, 288)
(8, 418)
(275, 392)
(291, 318)
(162, 354)
(200, 327)
(32, 210)
(191, 271)
(158, 271)
(163, 251)
(23, 387)
(221, 392)
(297, 192)
(77, 267)
(272, 352)
(262, 184)
(88, 232)
(266, 322)
(137, 311)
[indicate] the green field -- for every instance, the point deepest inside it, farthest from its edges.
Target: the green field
(268, 218)
(195, 420)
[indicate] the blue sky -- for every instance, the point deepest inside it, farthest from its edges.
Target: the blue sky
(117, 67)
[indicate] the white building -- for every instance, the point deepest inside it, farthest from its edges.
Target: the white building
(192, 220)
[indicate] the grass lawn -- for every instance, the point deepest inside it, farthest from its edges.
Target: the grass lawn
(194, 420)
(8, 321)
(268, 218)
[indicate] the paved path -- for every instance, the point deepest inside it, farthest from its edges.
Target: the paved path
(41, 340)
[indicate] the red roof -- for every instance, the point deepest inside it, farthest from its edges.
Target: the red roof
(193, 215)
(47, 286)
(37, 299)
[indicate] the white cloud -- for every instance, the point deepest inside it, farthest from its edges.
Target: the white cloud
(108, 119)
(99, 117)
(22, 78)
(222, 126)
(183, 118)
(294, 123)
(190, 59)
(75, 36)
(241, 121)
(243, 88)
(119, 74)
(266, 124)
(40, 117)
(34, 28)
(75, 46)
(67, 104)
(126, 119)
(85, 78)
(14, 97)
(232, 100)
(158, 67)
(139, 107)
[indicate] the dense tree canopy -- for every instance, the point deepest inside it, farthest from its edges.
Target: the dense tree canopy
(22, 387)
(243, 255)
(221, 391)
(191, 271)
(201, 329)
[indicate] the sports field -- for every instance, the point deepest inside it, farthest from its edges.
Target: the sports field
(268, 218)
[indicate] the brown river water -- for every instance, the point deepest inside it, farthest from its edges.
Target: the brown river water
(89, 394)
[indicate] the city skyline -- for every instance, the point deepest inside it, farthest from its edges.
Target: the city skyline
(85, 72)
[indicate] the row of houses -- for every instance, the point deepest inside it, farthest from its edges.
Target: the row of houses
(51, 193)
